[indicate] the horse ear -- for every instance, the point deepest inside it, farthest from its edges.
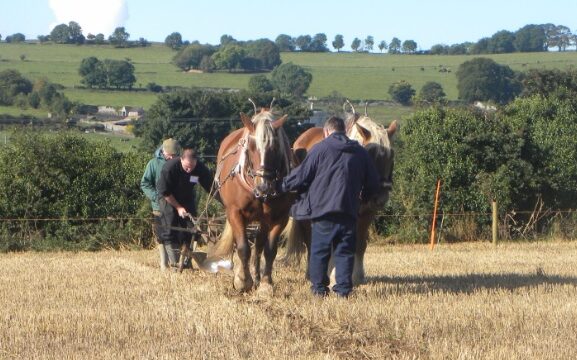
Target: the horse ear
(392, 129)
(351, 122)
(279, 122)
(365, 134)
(247, 121)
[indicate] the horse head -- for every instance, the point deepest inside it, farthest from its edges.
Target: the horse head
(377, 141)
(268, 151)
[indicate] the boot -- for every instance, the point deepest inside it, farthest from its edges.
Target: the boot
(163, 257)
(173, 252)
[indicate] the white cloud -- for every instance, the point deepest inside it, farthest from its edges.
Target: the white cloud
(102, 16)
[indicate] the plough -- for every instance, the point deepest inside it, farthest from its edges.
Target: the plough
(206, 231)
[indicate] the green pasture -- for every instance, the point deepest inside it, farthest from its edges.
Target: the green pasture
(368, 76)
(17, 112)
(358, 76)
(386, 113)
(114, 98)
(122, 143)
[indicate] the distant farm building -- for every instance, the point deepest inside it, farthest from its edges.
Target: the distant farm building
(131, 112)
(107, 111)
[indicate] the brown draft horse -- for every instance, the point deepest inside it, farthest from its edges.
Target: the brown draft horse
(251, 161)
(376, 139)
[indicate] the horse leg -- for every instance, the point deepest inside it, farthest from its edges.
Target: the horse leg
(270, 252)
(363, 224)
(242, 278)
(359, 267)
(257, 254)
(331, 272)
(306, 231)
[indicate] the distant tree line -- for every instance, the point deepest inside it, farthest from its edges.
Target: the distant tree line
(318, 43)
(304, 43)
(529, 38)
(71, 33)
(230, 55)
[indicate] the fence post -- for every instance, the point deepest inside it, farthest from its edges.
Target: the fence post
(435, 214)
(495, 222)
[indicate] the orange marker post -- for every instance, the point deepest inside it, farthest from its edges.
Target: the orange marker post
(435, 213)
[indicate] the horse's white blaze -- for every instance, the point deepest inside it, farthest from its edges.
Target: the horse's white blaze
(267, 138)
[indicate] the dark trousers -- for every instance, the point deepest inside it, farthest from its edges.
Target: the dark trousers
(169, 218)
(336, 233)
(156, 225)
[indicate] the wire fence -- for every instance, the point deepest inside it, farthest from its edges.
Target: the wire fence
(457, 226)
(377, 216)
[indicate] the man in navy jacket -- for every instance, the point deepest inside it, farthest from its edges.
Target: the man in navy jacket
(330, 182)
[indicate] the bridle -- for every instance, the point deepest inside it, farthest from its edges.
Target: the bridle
(245, 171)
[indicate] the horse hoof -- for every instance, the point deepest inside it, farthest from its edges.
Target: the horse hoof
(265, 290)
(242, 285)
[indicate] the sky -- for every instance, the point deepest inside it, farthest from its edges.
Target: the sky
(426, 22)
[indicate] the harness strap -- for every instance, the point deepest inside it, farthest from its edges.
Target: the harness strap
(243, 167)
(237, 169)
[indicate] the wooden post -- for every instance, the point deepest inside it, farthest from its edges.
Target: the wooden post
(435, 214)
(495, 220)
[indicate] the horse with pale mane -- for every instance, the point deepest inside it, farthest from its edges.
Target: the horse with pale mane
(251, 161)
(376, 140)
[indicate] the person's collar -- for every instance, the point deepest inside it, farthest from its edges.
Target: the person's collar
(338, 133)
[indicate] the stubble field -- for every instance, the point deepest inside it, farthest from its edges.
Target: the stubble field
(464, 301)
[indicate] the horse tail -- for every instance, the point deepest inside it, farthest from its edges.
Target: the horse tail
(225, 245)
(294, 236)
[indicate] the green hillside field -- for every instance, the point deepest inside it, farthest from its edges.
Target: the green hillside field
(123, 143)
(359, 76)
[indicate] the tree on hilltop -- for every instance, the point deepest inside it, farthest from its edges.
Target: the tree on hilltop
(339, 42)
(119, 37)
(369, 43)
(356, 44)
(173, 41)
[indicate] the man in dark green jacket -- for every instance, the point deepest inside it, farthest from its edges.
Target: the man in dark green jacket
(169, 149)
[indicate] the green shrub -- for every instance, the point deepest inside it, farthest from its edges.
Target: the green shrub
(524, 155)
(476, 157)
(549, 128)
(67, 177)
(402, 92)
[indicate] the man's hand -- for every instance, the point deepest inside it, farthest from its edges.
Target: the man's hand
(182, 212)
(179, 208)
